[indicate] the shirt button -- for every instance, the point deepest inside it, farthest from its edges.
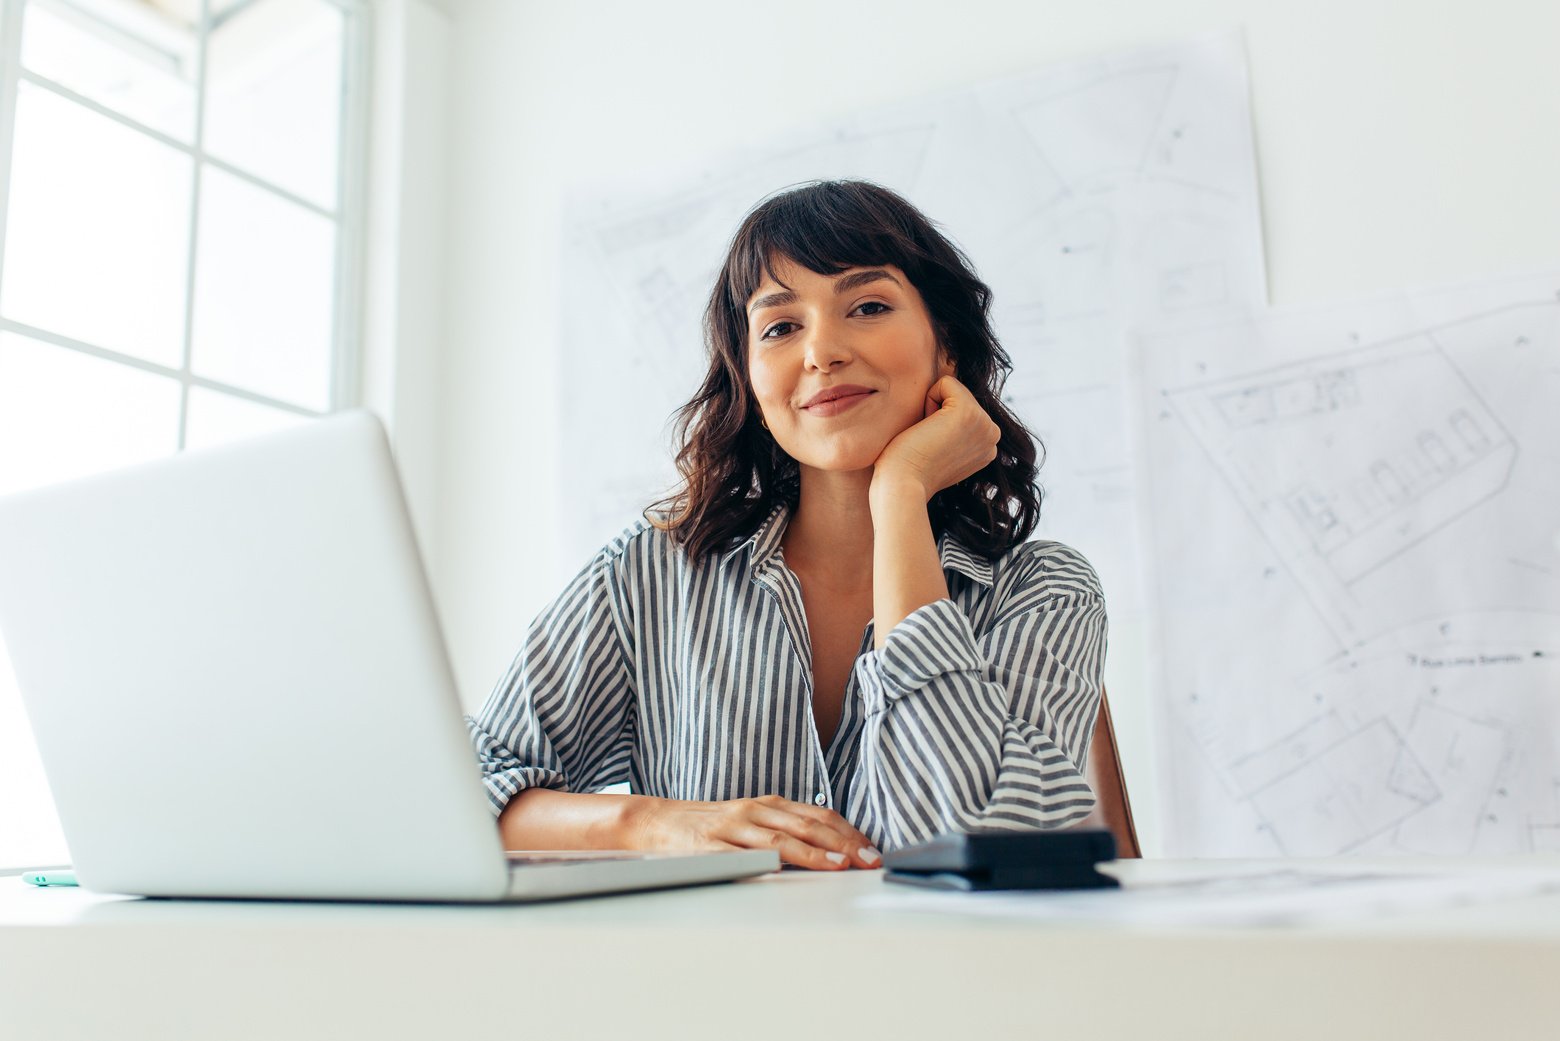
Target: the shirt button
(819, 799)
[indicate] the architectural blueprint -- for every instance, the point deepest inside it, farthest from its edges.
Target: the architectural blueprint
(1091, 197)
(1356, 558)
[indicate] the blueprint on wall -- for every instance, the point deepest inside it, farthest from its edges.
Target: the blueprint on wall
(1356, 555)
(1091, 197)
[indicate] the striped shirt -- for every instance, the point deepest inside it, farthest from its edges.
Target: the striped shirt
(695, 682)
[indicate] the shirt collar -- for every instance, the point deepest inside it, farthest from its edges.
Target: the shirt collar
(763, 548)
(764, 544)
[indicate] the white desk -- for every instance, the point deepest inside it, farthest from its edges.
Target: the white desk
(785, 956)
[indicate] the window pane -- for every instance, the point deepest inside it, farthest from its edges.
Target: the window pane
(65, 414)
(264, 285)
(30, 833)
(137, 61)
(97, 230)
(216, 418)
(273, 101)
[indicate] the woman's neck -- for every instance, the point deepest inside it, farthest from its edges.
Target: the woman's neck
(829, 534)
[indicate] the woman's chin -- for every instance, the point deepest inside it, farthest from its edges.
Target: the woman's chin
(840, 462)
(846, 452)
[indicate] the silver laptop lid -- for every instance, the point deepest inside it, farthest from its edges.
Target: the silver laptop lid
(236, 679)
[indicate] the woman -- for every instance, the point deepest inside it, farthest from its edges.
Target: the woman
(834, 638)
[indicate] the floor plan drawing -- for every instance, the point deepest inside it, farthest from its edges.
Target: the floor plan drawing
(1356, 548)
(1372, 471)
(1131, 102)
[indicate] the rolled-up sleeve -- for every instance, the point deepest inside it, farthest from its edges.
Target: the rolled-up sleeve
(967, 730)
(561, 717)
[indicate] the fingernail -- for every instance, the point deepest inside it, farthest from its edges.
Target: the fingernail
(870, 855)
(837, 858)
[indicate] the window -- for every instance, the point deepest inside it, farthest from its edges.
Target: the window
(179, 225)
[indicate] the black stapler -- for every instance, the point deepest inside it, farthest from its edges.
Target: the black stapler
(1005, 860)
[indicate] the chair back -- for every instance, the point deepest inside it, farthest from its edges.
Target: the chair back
(1112, 810)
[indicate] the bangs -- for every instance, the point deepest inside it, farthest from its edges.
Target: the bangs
(826, 230)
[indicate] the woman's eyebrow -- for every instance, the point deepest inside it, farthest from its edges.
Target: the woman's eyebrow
(857, 279)
(854, 280)
(779, 299)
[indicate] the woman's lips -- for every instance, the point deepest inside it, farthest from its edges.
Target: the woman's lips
(837, 405)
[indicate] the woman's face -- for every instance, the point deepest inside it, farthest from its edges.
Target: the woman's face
(865, 331)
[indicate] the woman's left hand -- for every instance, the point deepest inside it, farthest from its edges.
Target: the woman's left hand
(954, 439)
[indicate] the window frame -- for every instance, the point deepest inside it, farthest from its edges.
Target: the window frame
(348, 216)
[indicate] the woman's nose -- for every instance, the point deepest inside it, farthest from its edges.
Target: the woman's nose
(826, 348)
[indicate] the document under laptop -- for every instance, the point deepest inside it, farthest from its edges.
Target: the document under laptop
(238, 686)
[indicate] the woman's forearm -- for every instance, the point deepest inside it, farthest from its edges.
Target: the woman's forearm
(906, 570)
(540, 818)
(802, 833)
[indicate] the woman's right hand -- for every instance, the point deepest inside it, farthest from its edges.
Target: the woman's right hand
(805, 835)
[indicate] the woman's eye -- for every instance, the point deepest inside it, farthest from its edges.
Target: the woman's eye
(875, 303)
(778, 329)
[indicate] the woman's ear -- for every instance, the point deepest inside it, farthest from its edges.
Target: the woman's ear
(945, 365)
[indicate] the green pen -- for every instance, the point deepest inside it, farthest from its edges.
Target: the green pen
(56, 877)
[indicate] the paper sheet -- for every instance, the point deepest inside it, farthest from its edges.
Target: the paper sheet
(1225, 899)
(1355, 515)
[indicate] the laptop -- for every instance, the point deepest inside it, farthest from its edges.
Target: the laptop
(239, 689)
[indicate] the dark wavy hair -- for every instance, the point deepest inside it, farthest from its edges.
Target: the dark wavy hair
(734, 473)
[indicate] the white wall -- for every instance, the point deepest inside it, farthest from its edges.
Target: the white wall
(1399, 142)
(403, 258)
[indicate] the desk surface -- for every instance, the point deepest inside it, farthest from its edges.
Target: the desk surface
(785, 955)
